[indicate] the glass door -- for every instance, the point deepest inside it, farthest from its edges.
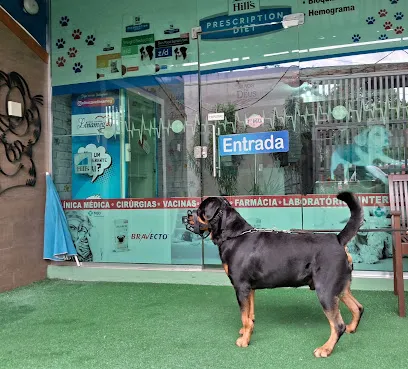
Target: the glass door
(144, 112)
(255, 143)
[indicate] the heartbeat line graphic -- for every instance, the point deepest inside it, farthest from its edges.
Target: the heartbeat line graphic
(317, 113)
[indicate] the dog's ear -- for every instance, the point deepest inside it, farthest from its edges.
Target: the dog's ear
(362, 138)
(209, 207)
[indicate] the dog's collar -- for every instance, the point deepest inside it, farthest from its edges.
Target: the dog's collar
(218, 214)
(272, 230)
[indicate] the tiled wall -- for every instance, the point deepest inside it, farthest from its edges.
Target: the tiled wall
(22, 208)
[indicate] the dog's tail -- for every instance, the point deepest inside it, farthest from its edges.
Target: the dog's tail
(356, 218)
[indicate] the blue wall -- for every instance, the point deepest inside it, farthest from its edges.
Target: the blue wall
(35, 24)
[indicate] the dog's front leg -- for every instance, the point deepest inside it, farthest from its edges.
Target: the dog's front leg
(387, 160)
(346, 168)
(243, 297)
(252, 305)
(251, 310)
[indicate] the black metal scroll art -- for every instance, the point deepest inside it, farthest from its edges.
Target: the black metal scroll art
(18, 135)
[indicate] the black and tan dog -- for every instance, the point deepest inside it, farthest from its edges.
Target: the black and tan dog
(255, 259)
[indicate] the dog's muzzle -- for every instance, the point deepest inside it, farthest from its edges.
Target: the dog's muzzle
(194, 225)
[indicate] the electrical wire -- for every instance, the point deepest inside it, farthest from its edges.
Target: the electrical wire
(239, 109)
(178, 103)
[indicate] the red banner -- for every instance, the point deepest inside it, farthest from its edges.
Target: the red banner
(287, 201)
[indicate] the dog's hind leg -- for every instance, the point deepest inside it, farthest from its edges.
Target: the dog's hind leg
(360, 307)
(355, 308)
(349, 257)
(243, 293)
(330, 306)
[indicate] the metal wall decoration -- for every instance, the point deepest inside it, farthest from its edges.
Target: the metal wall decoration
(18, 135)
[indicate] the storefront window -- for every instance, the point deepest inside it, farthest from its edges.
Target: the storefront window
(151, 115)
(121, 167)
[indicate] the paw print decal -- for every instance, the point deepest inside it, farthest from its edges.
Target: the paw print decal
(76, 34)
(387, 25)
(399, 30)
(90, 40)
(383, 37)
(60, 61)
(398, 16)
(64, 21)
(77, 68)
(394, 1)
(356, 38)
(370, 20)
(60, 43)
(383, 13)
(72, 52)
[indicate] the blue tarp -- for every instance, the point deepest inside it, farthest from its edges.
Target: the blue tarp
(57, 239)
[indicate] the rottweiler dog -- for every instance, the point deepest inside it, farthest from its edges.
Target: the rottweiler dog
(256, 259)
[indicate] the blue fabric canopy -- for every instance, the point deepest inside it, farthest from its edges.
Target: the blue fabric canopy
(57, 239)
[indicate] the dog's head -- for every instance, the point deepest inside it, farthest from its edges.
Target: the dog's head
(211, 210)
(217, 217)
(208, 214)
(375, 136)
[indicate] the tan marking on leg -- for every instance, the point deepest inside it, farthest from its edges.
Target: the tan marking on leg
(356, 302)
(336, 322)
(251, 310)
(247, 326)
(225, 268)
(349, 257)
(252, 305)
(355, 308)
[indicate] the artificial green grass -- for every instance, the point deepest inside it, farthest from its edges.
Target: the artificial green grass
(63, 325)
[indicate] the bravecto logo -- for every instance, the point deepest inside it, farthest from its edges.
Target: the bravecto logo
(149, 236)
(96, 101)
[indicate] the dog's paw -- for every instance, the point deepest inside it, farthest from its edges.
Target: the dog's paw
(322, 352)
(242, 342)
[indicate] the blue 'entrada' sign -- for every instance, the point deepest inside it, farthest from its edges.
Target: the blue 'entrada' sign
(243, 25)
(253, 143)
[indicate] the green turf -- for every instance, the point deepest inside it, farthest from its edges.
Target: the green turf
(60, 324)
